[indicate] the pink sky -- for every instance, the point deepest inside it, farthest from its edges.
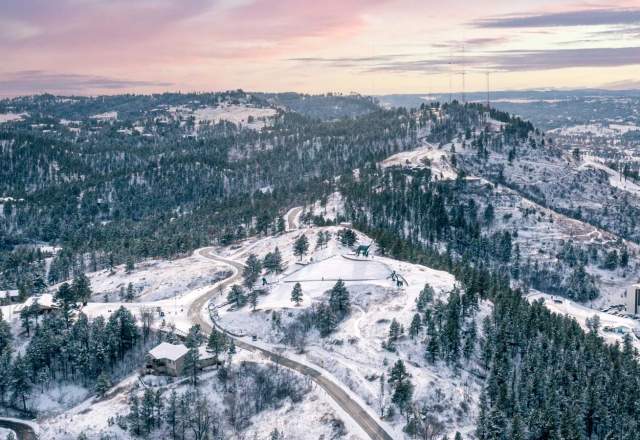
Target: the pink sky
(367, 46)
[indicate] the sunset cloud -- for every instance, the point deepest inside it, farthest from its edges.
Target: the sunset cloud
(106, 46)
(67, 83)
(584, 17)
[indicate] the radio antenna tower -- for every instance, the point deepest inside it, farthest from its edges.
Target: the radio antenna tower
(464, 98)
(488, 90)
(450, 73)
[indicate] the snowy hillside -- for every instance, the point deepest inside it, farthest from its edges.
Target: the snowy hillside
(355, 353)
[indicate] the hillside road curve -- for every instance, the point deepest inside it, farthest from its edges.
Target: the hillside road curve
(23, 431)
(335, 391)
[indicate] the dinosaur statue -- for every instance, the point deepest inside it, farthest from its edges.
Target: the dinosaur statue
(398, 279)
(363, 250)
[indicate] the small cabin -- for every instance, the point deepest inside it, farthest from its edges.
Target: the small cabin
(44, 303)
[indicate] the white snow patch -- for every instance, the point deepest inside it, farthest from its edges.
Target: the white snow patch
(8, 117)
(106, 116)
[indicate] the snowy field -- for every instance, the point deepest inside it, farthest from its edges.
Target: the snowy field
(106, 116)
(237, 114)
(8, 117)
(155, 280)
(615, 178)
(596, 130)
(234, 113)
(439, 162)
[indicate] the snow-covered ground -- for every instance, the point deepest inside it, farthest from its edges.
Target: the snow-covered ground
(354, 354)
(438, 160)
(106, 116)
(238, 114)
(615, 178)
(155, 280)
(596, 129)
(8, 117)
(234, 113)
(333, 207)
(563, 306)
(92, 416)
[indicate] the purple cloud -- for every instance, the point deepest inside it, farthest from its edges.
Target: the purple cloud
(37, 81)
(531, 60)
(585, 17)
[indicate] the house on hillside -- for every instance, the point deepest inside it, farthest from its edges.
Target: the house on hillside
(43, 303)
(9, 297)
(632, 299)
(169, 359)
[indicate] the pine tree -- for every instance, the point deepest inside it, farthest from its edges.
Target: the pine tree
(82, 288)
(296, 294)
(416, 326)
(65, 298)
(171, 414)
(624, 257)
(394, 334)
(216, 344)
(424, 298)
(326, 320)
(347, 237)
(469, 341)
(147, 411)
(433, 344)
(273, 261)
(130, 294)
(339, 299)
(191, 367)
(253, 299)
(236, 296)
(252, 271)
(133, 419)
(158, 403)
(5, 375)
(195, 337)
(103, 384)
(402, 387)
(129, 265)
(20, 383)
(25, 319)
(301, 246)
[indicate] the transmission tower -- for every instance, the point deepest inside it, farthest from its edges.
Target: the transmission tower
(488, 90)
(464, 98)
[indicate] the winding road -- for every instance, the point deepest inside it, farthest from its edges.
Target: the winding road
(292, 218)
(22, 430)
(342, 398)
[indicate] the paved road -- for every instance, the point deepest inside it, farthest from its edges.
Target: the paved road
(22, 430)
(291, 218)
(350, 406)
(197, 305)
